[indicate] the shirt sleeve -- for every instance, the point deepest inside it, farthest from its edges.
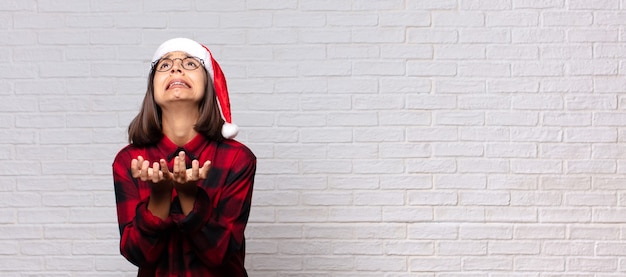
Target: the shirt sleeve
(216, 232)
(143, 236)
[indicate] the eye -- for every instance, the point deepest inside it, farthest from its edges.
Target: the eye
(191, 63)
(165, 64)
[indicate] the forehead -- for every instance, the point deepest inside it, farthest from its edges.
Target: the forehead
(175, 54)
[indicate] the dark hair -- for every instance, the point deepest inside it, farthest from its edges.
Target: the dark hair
(146, 128)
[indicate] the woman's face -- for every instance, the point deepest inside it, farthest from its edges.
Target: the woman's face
(179, 78)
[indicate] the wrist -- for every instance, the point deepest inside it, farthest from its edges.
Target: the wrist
(188, 191)
(161, 191)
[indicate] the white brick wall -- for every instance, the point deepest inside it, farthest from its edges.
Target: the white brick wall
(396, 138)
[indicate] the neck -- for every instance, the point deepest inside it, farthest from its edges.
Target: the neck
(178, 126)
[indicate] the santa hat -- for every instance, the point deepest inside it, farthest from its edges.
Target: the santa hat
(193, 48)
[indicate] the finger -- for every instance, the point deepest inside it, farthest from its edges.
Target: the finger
(165, 169)
(155, 172)
(176, 167)
(134, 168)
(195, 169)
(140, 159)
(182, 167)
(144, 171)
(204, 171)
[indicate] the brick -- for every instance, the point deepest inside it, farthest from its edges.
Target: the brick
(426, 198)
(351, 151)
(542, 264)
(459, 214)
(432, 36)
(274, 231)
(512, 19)
(23, 264)
(457, 150)
(497, 214)
(484, 199)
(70, 263)
(405, 182)
(482, 166)
(353, 51)
(378, 68)
(589, 35)
(608, 17)
(464, 181)
(326, 167)
(431, 166)
(514, 85)
(378, 5)
(514, 247)
(401, 214)
(458, 19)
(465, 118)
(460, 52)
(327, 199)
(533, 36)
(568, 215)
(42, 216)
(361, 20)
(430, 264)
(430, 5)
(490, 35)
(376, 198)
(594, 5)
(487, 231)
(593, 264)
(350, 183)
(608, 215)
(329, 231)
(599, 233)
(302, 215)
(388, 134)
(353, 247)
(384, 264)
(354, 214)
(404, 18)
(512, 52)
(17, 5)
(521, 4)
(329, 263)
(465, 248)
(460, 87)
(389, 231)
(488, 263)
(511, 182)
(558, 18)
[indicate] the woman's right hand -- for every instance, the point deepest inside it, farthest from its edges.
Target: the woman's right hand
(158, 174)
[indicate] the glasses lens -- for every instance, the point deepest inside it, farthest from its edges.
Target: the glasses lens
(191, 63)
(164, 65)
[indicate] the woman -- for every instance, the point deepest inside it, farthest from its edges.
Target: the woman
(182, 185)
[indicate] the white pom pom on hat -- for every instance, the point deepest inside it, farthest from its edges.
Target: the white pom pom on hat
(193, 48)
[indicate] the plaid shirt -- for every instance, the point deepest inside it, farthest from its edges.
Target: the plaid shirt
(209, 241)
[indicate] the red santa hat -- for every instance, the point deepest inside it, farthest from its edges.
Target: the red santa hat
(193, 48)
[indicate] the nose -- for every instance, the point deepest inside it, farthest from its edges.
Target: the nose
(176, 67)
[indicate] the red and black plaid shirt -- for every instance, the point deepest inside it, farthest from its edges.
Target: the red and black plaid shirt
(209, 241)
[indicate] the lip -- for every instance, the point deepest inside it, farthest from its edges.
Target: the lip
(174, 83)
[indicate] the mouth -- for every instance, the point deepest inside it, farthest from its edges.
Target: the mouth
(177, 84)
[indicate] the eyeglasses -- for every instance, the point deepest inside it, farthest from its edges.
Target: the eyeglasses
(189, 63)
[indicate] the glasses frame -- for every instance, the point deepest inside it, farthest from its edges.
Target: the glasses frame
(182, 63)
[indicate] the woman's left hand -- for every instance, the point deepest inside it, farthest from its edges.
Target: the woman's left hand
(184, 178)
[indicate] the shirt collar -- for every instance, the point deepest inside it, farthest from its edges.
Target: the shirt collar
(193, 148)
